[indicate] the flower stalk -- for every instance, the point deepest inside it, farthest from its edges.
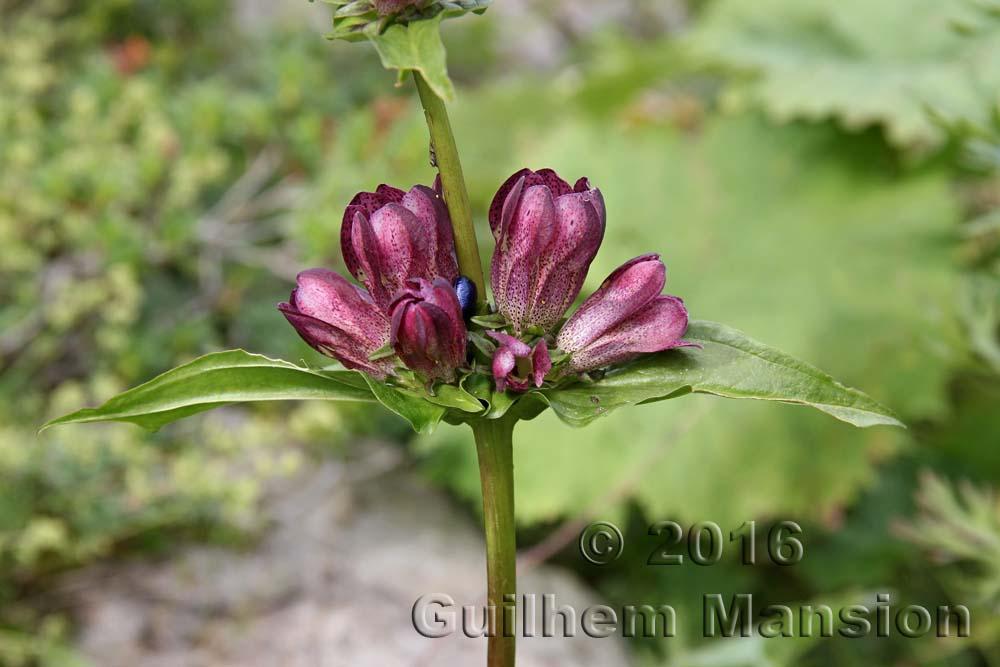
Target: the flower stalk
(494, 446)
(494, 437)
(419, 336)
(453, 189)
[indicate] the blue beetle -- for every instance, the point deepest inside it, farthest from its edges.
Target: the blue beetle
(465, 289)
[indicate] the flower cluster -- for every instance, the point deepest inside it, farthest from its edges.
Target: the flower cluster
(400, 246)
(416, 312)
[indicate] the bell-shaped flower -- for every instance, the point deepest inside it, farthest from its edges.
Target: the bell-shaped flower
(516, 365)
(339, 320)
(627, 316)
(428, 332)
(389, 236)
(547, 234)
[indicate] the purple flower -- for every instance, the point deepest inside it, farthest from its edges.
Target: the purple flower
(627, 316)
(390, 236)
(428, 332)
(339, 320)
(547, 234)
(514, 355)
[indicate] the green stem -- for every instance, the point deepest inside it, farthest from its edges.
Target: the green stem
(494, 444)
(456, 197)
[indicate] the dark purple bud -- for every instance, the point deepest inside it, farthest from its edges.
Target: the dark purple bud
(339, 320)
(428, 332)
(390, 236)
(627, 316)
(516, 365)
(465, 289)
(547, 235)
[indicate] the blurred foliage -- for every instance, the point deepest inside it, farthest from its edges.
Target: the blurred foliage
(961, 525)
(900, 64)
(140, 188)
(163, 176)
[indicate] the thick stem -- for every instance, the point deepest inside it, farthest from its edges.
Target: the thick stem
(456, 196)
(494, 444)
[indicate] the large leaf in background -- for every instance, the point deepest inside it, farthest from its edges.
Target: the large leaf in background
(809, 240)
(728, 364)
(216, 379)
(861, 62)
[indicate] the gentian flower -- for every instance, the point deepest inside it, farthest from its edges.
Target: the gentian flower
(547, 234)
(390, 236)
(428, 332)
(627, 316)
(339, 320)
(534, 363)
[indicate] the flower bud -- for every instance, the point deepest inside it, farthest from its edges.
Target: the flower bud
(428, 332)
(388, 7)
(388, 237)
(547, 234)
(627, 316)
(339, 320)
(355, 20)
(514, 356)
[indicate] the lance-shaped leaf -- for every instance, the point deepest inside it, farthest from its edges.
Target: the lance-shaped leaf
(218, 379)
(729, 364)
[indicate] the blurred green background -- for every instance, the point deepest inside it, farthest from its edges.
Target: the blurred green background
(822, 175)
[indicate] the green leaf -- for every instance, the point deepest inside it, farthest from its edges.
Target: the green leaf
(416, 46)
(483, 344)
(451, 396)
(422, 415)
(730, 365)
(482, 387)
(383, 352)
(218, 379)
(491, 321)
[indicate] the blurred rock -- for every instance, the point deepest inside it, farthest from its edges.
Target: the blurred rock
(258, 14)
(539, 33)
(332, 584)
